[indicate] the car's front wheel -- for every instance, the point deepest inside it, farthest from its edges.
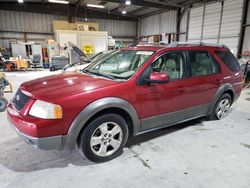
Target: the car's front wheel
(104, 138)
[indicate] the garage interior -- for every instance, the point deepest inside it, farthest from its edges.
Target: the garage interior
(34, 42)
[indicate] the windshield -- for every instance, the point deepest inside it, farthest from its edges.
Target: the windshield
(99, 55)
(119, 64)
(96, 55)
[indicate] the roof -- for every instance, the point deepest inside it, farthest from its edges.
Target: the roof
(145, 46)
(156, 46)
(136, 8)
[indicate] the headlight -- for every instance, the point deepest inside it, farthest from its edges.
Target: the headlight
(46, 110)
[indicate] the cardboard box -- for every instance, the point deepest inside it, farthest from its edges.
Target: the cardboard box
(64, 25)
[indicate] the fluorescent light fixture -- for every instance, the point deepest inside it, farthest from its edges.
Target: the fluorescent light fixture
(95, 6)
(124, 12)
(20, 1)
(128, 2)
(59, 1)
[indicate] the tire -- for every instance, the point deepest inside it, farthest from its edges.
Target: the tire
(223, 104)
(98, 143)
(3, 104)
(52, 68)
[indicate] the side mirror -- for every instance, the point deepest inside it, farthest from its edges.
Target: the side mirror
(158, 78)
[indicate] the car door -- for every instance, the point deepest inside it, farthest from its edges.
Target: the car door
(162, 104)
(205, 79)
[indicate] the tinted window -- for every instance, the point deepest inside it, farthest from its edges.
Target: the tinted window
(202, 64)
(228, 58)
(171, 63)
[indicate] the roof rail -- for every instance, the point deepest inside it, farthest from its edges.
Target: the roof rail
(147, 44)
(175, 44)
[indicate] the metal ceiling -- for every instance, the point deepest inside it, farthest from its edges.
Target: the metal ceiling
(137, 8)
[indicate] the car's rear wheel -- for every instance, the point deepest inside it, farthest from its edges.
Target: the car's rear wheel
(104, 138)
(222, 107)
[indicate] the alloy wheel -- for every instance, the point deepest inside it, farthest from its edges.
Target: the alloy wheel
(223, 108)
(106, 139)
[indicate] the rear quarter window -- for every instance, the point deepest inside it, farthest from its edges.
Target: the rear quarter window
(228, 58)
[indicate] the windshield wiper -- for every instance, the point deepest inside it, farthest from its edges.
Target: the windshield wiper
(98, 74)
(86, 71)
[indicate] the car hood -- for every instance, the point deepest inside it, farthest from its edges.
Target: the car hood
(64, 85)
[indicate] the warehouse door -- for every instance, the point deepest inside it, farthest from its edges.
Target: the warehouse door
(217, 23)
(231, 24)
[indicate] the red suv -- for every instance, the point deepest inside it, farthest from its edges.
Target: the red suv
(128, 92)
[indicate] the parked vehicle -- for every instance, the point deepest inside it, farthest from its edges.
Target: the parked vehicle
(129, 92)
(4, 82)
(80, 65)
(245, 68)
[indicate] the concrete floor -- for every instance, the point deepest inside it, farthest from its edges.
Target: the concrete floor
(200, 153)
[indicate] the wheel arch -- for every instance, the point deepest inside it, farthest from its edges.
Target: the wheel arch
(231, 93)
(97, 108)
(226, 88)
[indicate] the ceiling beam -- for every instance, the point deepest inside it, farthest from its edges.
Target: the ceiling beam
(113, 13)
(146, 4)
(103, 3)
(77, 5)
(137, 10)
(120, 6)
(154, 13)
(192, 2)
(65, 10)
(79, 2)
(162, 2)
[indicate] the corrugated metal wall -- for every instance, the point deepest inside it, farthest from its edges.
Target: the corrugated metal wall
(39, 38)
(114, 27)
(150, 25)
(27, 22)
(159, 24)
(183, 27)
(212, 23)
(208, 25)
(231, 24)
(41, 25)
(246, 43)
(195, 24)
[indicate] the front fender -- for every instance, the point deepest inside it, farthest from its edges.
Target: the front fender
(69, 141)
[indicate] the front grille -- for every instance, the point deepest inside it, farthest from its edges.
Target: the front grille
(20, 100)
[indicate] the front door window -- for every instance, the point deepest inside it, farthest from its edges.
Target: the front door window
(171, 63)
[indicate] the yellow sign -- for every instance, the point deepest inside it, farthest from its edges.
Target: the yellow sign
(88, 49)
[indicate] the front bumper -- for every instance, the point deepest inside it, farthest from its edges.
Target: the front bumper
(22, 127)
(46, 143)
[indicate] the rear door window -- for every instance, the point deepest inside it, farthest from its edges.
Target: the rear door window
(201, 63)
(228, 58)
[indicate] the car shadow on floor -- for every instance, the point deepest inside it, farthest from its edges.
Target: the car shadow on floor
(21, 157)
(164, 131)
(16, 155)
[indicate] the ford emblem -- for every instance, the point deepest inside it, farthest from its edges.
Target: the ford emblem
(17, 97)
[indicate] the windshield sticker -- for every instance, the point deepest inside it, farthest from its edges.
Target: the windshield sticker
(144, 53)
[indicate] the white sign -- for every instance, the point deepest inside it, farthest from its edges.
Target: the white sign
(82, 27)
